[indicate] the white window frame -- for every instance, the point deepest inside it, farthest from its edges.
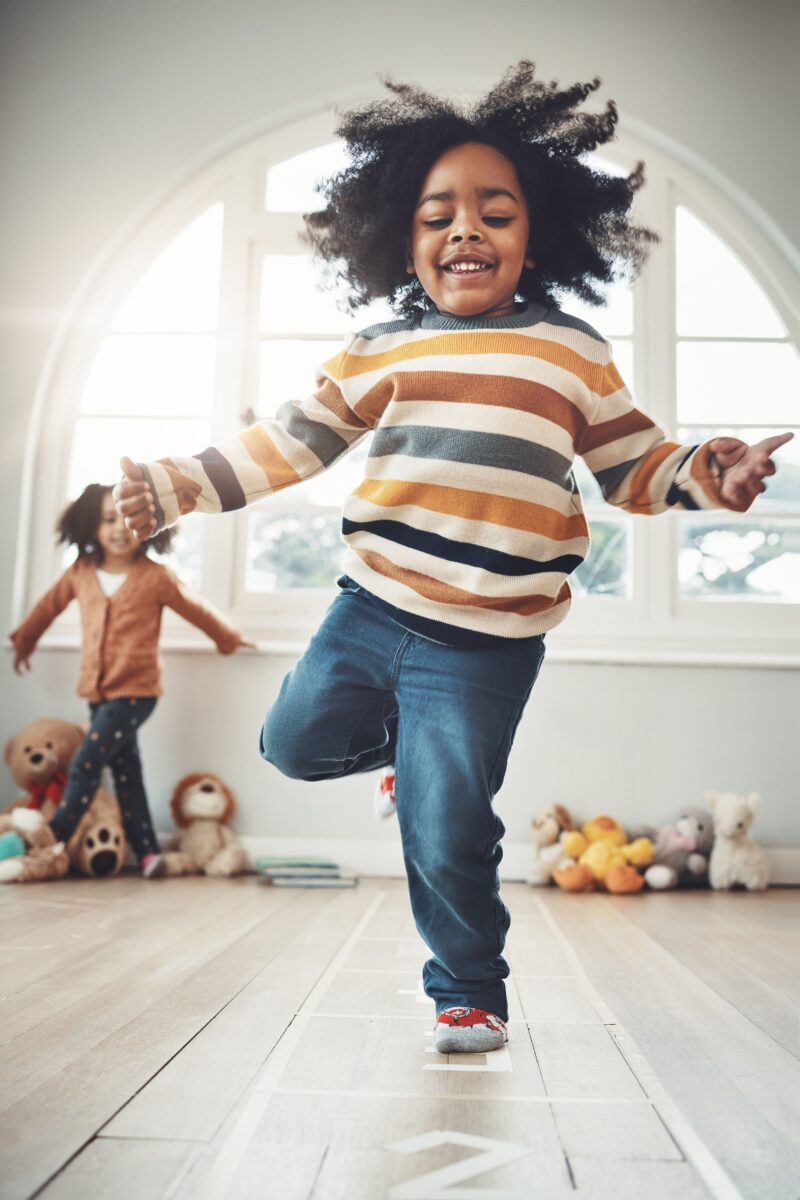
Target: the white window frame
(655, 625)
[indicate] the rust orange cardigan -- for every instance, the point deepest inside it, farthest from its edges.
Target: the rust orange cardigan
(119, 652)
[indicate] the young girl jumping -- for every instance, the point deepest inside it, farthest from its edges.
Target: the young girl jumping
(463, 533)
(121, 593)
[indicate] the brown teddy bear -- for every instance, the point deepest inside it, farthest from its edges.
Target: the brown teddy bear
(201, 807)
(38, 758)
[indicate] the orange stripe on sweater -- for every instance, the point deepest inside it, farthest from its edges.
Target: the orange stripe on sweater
(611, 431)
(447, 387)
(443, 593)
(492, 342)
(474, 506)
(265, 454)
(639, 486)
(330, 396)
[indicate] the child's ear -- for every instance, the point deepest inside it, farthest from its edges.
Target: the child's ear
(530, 261)
(409, 256)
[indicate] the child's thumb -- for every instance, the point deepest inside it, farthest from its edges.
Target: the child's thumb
(131, 469)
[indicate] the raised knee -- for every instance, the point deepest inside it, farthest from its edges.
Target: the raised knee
(286, 753)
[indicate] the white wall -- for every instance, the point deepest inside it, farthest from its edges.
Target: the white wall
(106, 104)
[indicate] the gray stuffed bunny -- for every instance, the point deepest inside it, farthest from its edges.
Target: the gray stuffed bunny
(680, 850)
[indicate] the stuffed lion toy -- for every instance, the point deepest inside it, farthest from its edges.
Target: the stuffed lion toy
(201, 807)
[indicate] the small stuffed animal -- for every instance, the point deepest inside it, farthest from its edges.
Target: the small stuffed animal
(736, 857)
(42, 856)
(680, 850)
(601, 854)
(38, 758)
(201, 807)
(548, 850)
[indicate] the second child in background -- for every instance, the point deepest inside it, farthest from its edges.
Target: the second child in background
(122, 594)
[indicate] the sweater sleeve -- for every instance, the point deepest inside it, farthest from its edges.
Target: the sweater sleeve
(43, 613)
(637, 467)
(198, 612)
(304, 438)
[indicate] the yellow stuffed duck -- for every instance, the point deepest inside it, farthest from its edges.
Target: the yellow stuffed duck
(603, 856)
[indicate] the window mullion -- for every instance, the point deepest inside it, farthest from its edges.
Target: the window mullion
(229, 374)
(654, 325)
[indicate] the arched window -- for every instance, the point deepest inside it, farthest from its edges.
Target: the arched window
(210, 317)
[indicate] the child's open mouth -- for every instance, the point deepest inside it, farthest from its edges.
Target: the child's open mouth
(467, 269)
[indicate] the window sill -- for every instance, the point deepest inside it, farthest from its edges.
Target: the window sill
(654, 653)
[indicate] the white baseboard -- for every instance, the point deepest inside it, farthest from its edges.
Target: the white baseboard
(366, 856)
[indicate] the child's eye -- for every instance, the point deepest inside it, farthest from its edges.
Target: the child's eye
(497, 220)
(437, 222)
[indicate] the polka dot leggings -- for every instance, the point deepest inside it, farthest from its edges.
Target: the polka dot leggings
(111, 742)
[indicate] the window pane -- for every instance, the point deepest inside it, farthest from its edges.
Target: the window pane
(162, 375)
(613, 319)
(292, 301)
(288, 371)
(179, 292)
(292, 550)
(290, 184)
(737, 383)
(783, 489)
(185, 556)
(739, 559)
(606, 571)
(716, 294)
(100, 442)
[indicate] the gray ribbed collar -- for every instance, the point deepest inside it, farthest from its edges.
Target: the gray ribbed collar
(531, 314)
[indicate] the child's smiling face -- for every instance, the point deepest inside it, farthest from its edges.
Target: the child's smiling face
(470, 233)
(118, 545)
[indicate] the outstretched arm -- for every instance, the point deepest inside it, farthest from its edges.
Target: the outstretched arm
(197, 611)
(41, 616)
(639, 469)
(304, 438)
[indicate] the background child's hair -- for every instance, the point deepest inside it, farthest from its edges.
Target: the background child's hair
(581, 233)
(77, 525)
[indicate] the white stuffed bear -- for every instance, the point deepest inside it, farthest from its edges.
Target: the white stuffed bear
(549, 854)
(735, 857)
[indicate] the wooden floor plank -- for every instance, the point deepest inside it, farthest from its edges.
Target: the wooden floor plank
(194, 1092)
(732, 1083)
(125, 1170)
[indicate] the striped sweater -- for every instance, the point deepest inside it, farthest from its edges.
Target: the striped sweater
(468, 520)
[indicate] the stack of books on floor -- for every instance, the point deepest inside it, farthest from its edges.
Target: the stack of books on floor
(303, 872)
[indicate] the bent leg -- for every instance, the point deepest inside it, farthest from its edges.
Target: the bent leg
(335, 713)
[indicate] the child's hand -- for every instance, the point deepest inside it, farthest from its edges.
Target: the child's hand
(22, 662)
(744, 467)
(243, 644)
(134, 501)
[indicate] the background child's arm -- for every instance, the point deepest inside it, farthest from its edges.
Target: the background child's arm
(199, 612)
(304, 438)
(41, 616)
(638, 468)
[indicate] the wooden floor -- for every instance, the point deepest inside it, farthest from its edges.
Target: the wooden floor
(217, 1040)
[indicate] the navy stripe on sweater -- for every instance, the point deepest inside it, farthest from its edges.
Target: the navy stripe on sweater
(223, 479)
(463, 552)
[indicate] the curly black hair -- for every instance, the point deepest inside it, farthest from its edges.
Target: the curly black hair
(77, 525)
(581, 233)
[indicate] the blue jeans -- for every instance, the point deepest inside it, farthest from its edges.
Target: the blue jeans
(368, 693)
